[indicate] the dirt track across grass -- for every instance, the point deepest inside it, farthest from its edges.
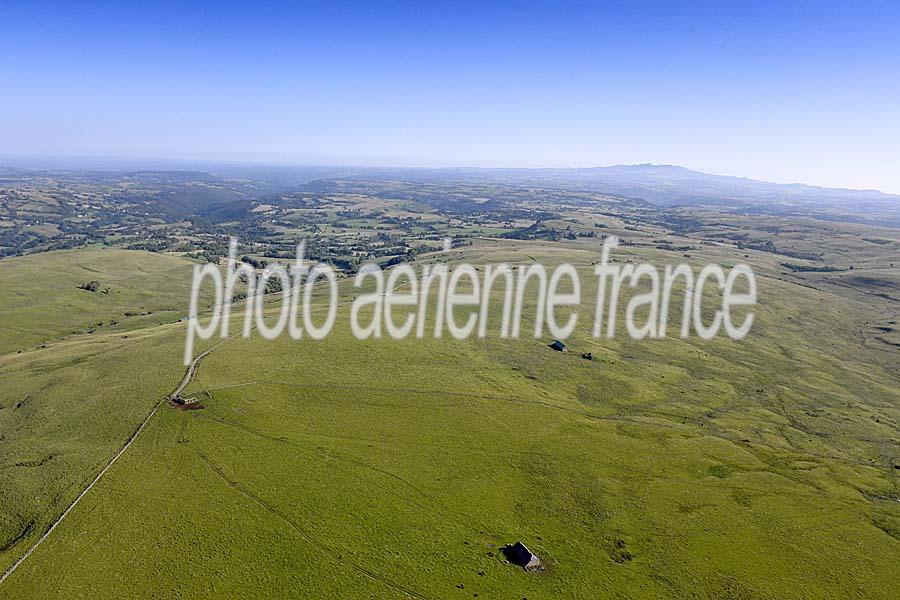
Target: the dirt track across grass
(189, 374)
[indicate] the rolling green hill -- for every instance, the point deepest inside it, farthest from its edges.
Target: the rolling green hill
(339, 468)
(44, 300)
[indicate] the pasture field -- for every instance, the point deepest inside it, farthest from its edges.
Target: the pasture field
(68, 405)
(44, 302)
(371, 469)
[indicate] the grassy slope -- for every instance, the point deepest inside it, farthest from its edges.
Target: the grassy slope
(68, 406)
(351, 469)
(44, 303)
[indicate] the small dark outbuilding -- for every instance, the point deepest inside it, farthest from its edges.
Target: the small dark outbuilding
(558, 345)
(519, 554)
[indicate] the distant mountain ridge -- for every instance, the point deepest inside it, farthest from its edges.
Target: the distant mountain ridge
(662, 185)
(666, 185)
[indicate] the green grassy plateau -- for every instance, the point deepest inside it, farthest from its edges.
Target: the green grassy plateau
(766, 468)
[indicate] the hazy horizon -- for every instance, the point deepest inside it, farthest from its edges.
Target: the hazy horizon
(776, 93)
(106, 163)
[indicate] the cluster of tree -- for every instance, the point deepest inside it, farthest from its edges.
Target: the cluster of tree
(798, 268)
(154, 245)
(535, 231)
(769, 246)
(93, 286)
(256, 264)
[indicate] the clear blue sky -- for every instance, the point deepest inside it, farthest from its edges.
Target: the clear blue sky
(808, 92)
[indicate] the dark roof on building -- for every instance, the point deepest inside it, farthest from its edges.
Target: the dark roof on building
(519, 554)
